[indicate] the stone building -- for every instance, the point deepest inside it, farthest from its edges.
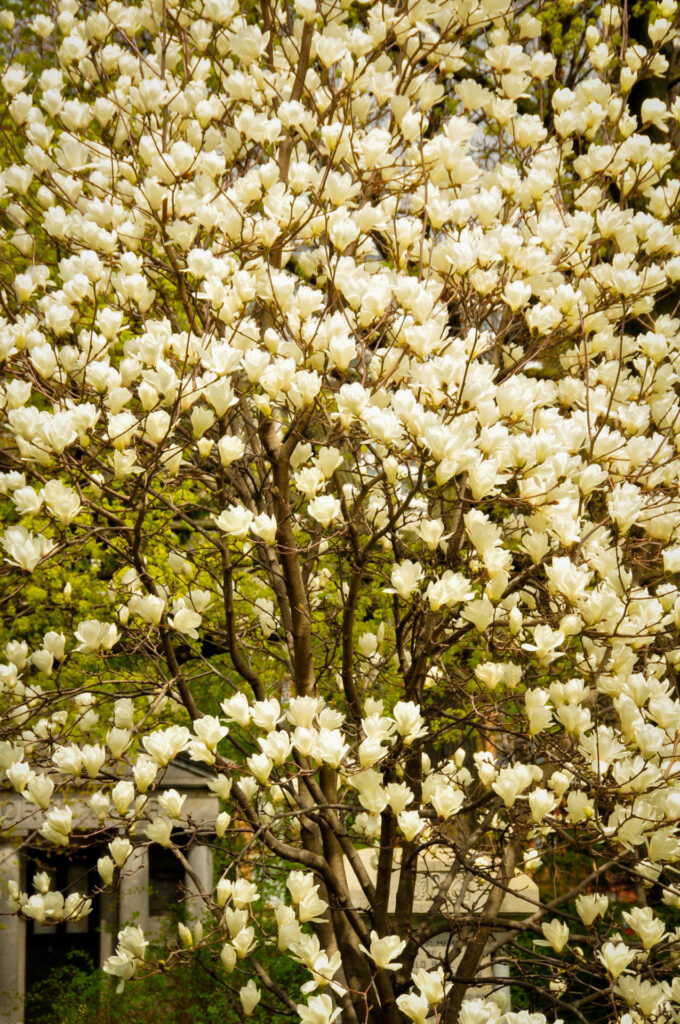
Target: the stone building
(465, 895)
(151, 884)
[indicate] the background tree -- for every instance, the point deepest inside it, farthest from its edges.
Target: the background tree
(339, 397)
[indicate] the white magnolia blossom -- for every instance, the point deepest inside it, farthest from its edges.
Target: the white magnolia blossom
(340, 420)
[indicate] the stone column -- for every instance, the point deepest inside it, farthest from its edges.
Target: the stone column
(12, 943)
(133, 906)
(201, 860)
(107, 926)
(501, 996)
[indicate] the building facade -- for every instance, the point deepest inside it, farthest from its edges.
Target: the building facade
(151, 887)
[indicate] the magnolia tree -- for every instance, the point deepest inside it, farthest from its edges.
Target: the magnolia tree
(340, 376)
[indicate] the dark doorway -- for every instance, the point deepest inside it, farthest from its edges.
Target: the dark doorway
(166, 882)
(63, 945)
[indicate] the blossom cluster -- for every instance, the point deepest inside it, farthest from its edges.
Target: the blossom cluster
(345, 336)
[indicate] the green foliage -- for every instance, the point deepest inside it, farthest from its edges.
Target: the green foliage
(195, 993)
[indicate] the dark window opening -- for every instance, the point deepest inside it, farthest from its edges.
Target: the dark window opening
(64, 946)
(166, 882)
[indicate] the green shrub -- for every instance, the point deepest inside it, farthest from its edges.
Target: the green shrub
(197, 993)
